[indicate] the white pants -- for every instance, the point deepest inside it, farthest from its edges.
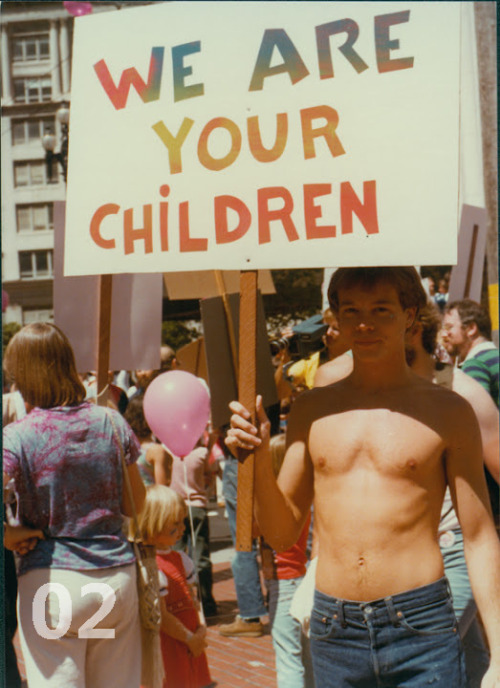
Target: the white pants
(73, 661)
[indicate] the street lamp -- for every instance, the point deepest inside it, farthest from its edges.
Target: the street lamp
(49, 144)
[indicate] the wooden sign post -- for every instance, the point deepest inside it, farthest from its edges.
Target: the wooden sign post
(104, 337)
(247, 391)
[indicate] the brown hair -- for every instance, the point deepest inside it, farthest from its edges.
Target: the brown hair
(167, 358)
(405, 280)
(469, 312)
(40, 362)
(430, 319)
(134, 415)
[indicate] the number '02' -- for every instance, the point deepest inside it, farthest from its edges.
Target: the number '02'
(87, 629)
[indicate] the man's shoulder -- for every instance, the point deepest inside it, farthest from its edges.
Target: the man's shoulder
(486, 352)
(318, 401)
(334, 370)
(482, 366)
(439, 403)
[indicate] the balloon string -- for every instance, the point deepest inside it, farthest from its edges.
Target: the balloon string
(193, 543)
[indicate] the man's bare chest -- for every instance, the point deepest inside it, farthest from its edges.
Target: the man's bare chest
(381, 440)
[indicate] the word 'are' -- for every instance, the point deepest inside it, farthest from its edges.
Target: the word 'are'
(273, 39)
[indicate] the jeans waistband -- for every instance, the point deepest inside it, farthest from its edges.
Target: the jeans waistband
(427, 594)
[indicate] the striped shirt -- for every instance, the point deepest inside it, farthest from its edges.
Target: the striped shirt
(481, 363)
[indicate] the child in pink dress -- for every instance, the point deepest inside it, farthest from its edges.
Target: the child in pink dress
(183, 638)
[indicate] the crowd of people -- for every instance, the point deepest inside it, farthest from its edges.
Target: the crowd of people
(372, 473)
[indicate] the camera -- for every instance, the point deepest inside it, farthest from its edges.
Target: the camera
(307, 338)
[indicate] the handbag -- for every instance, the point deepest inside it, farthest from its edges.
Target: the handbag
(148, 588)
(148, 592)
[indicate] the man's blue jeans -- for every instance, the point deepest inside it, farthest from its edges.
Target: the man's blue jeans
(244, 565)
(409, 640)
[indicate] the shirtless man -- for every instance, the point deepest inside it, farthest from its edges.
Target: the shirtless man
(421, 342)
(376, 451)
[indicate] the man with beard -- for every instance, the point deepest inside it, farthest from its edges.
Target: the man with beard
(467, 337)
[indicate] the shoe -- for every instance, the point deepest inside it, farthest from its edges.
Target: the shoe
(241, 629)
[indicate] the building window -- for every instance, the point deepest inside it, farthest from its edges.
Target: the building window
(30, 47)
(33, 89)
(35, 217)
(33, 173)
(32, 129)
(36, 264)
(33, 316)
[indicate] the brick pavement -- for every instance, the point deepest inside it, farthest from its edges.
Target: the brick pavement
(236, 662)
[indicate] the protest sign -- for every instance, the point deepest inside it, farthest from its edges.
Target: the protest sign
(245, 135)
(203, 285)
(135, 326)
(223, 378)
(466, 279)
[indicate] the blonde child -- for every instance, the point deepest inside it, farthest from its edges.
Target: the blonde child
(183, 638)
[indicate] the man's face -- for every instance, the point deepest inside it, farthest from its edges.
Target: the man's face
(144, 377)
(333, 340)
(454, 335)
(373, 321)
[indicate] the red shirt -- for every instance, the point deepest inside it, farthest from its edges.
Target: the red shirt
(292, 562)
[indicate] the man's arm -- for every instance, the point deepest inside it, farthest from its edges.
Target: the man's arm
(20, 539)
(281, 505)
(487, 416)
(481, 545)
(162, 461)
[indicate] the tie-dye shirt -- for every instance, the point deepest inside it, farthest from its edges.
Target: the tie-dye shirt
(66, 467)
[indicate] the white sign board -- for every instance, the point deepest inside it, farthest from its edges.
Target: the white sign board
(245, 135)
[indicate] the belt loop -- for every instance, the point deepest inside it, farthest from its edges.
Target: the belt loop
(342, 620)
(393, 614)
(448, 589)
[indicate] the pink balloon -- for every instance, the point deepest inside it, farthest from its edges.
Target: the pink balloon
(177, 409)
(78, 9)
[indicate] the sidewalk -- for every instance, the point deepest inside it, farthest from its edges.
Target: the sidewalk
(233, 662)
(236, 662)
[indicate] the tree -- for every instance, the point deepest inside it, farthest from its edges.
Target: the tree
(8, 331)
(298, 296)
(176, 334)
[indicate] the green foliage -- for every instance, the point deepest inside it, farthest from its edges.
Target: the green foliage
(298, 296)
(176, 334)
(8, 331)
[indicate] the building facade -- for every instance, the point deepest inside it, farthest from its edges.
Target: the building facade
(36, 49)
